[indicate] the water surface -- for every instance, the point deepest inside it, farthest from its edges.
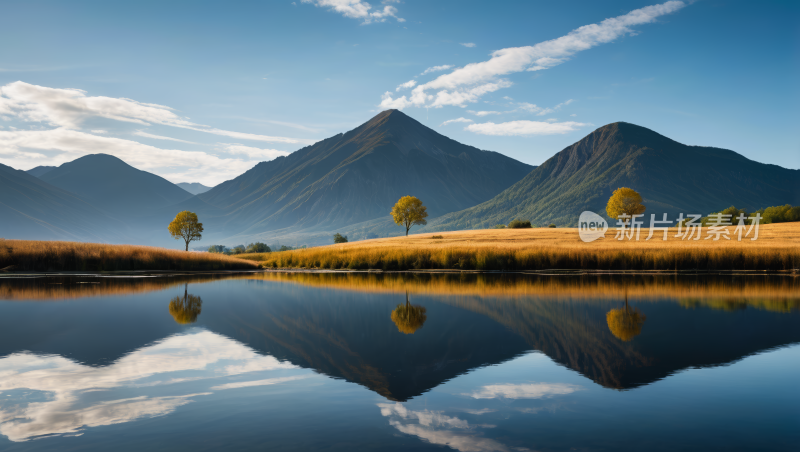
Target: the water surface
(400, 362)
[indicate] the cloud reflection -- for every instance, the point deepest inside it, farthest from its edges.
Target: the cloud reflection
(437, 428)
(524, 391)
(53, 388)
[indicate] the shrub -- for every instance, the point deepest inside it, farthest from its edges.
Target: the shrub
(339, 238)
(500, 226)
(216, 249)
(258, 247)
(551, 225)
(519, 224)
(437, 237)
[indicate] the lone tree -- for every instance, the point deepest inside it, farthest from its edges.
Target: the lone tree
(339, 238)
(186, 227)
(409, 211)
(624, 201)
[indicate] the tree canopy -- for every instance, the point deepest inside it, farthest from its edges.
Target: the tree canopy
(409, 211)
(185, 226)
(624, 201)
(339, 238)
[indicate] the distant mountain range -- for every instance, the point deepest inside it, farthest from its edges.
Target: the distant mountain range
(349, 182)
(671, 177)
(194, 188)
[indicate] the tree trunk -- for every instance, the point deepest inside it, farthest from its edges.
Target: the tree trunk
(187, 245)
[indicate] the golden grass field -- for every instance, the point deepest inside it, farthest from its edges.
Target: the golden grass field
(777, 248)
(30, 255)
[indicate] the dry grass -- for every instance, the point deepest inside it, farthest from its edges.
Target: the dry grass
(29, 255)
(777, 248)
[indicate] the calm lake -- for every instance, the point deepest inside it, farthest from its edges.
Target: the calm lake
(303, 361)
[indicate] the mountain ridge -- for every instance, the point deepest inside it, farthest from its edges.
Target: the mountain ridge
(672, 178)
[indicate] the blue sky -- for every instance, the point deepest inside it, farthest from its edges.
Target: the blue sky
(202, 91)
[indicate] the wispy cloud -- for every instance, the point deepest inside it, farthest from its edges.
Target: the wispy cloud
(452, 88)
(468, 44)
(443, 67)
(254, 153)
(358, 9)
(484, 113)
(266, 382)
(142, 133)
(521, 128)
(451, 121)
(69, 108)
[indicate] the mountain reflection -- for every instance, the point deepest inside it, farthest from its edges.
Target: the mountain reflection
(69, 401)
(185, 309)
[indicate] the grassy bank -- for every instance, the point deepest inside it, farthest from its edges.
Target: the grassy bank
(777, 248)
(29, 255)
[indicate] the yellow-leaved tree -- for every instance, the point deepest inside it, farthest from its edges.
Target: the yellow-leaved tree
(624, 201)
(185, 226)
(409, 211)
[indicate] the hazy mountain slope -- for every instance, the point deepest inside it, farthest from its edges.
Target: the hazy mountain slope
(114, 186)
(358, 176)
(34, 210)
(39, 170)
(671, 177)
(194, 188)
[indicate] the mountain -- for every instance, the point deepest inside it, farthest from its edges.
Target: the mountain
(114, 186)
(39, 170)
(193, 187)
(31, 209)
(357, 177)
(670, 176)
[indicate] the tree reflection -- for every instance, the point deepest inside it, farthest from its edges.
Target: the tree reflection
(625, 323)
(408, 318)
(185, 310)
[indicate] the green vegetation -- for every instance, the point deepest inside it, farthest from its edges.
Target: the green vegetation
(408, 212)
(500, 226)
(552, 225)
(339, 238)
(776, 214)
(185, 226)
(519, 224)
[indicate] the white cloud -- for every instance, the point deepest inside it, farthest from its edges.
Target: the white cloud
(99, 131)
(573, 115)
(524, 128)
(468, 44)
(483, 113)
(541, 56)
(524, 391)
(142, 133)
(69, 108)
(406, 85)
(551, 120)
(451, 121)
(254, 153)
(67, 145)
(443, 67)
(66, 410)
(358, 9)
